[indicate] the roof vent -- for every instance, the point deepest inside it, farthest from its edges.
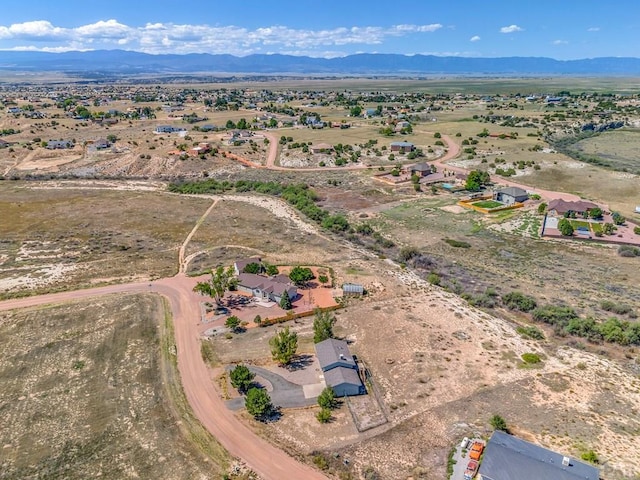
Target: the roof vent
(566, 461)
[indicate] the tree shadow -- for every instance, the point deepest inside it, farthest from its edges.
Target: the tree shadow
(300, 362)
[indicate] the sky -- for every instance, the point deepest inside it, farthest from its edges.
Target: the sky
(561, 29)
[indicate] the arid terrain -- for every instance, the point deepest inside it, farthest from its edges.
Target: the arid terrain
(91, 385)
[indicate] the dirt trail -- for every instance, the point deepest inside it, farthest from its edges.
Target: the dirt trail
(182, 261)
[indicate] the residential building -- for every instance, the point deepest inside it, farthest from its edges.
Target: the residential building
(59, 144)
(339, 368)
(267, 288)
(322, 148)
(168, 129)
(352, 289)
(420, 169)
(559, 207)
(511, 195)
(239, 265)
(507, 457)
(402, 147)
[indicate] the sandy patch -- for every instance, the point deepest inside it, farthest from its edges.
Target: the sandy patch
(453, 209)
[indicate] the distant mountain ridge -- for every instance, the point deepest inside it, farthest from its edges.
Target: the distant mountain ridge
(127, 62)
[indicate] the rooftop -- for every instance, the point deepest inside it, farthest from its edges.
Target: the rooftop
(334, 351)
(507, 457)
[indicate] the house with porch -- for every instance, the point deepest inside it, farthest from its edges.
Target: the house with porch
(420, 169)
(402, 147)
(559, 208)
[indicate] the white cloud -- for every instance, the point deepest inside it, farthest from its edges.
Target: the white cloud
(560, 42)
(511, 29)
(593, 29)
(174, 38)
(475, 38)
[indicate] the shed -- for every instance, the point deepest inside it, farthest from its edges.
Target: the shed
(420, 169)
(352, 289)
(507, 457)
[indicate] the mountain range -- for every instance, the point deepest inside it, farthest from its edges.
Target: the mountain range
(129, 62)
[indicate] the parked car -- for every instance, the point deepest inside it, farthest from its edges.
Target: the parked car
(476, 450)
(472, 468)
(464, 443)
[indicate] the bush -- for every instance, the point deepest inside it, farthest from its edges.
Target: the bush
(617, 308)
(530, 358)
(554, 315)
(407, 253)
(590, 456)
(258, 403)
(636, 230)
(433, 278)
(530, 331)
(498, 423)
(628, 251)
(457, 243)
(327, 399)
(324, 415)
(519, 301)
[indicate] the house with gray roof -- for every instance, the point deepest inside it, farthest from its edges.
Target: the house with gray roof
(266, 288)
(240, 264)
(507, 457)
(511, 195)
(339, 367)
(402, 147)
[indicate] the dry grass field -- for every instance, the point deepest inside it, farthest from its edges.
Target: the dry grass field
(67, 237)
(90, 390)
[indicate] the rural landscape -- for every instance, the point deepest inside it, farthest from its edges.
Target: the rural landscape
(426, 230)
(319, 242)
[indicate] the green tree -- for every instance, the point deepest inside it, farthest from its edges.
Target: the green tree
(323, 278)
(217, 285)
(519, 301)
(498, 423)
(284, 346)
(301, 275)
(230, 124)
(241, 378)
(595, 213)
(271, 269)
(590, 456)
(437, 135)
(285, 301)
(112, 138)
(327, 399)
(232, 323)
(258, 403)
(476, 180)
(242, 124)
(542, 208)
(323, 323)
(355, 111)
(252, 267)
(618, 219)
(565, 227)
(608, 228)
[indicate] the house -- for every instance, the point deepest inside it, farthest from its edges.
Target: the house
(322, 148)
(59, 144)
(559, 207)
(267, 288)
(208, 128)
(402, 147)
(510, 195)
(168, 129)
(14, 110)
(352, 289)
(203, 147)
(101, 144)
(339, 368)
(239, 265)
(420, 169)
(507, 457)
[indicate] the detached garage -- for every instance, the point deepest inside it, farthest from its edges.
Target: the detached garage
(344, 382)
(339, 367)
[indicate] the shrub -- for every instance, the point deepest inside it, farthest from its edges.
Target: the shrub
(324, 415)
(554, 314)
(617, 308)
(530, 331)
(327, 399)
(498, 423)
(530, 358)
(519, 301)
(590, 456)
(407, 253)
(628, 251)
(433, 278)
(636, 230)
(457, 243)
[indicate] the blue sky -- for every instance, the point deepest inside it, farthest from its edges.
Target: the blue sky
(562, 29)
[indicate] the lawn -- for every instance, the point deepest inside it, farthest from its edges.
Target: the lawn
(579, 224)
(488, 204)
(597, 227)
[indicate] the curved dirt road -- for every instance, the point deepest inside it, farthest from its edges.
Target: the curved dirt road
(266, 460)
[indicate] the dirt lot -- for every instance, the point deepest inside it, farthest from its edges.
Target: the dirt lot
(86, 394)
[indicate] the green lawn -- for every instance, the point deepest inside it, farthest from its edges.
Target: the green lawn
(579, 223)
(597, 227)
(488, 204)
